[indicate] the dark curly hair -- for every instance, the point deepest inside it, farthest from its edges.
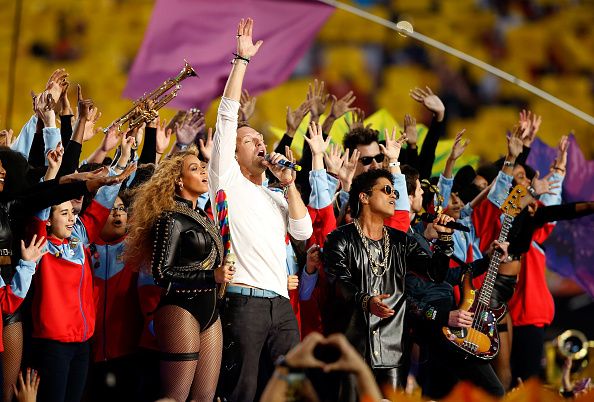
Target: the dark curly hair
(360, 136)
(363, 184)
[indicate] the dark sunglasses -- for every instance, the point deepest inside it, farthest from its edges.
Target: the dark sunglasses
(366, 160)
(388, 190)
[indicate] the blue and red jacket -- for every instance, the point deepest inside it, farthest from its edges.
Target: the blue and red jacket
(11, 296)
(149, 296)
(119, 319)
(63, 307)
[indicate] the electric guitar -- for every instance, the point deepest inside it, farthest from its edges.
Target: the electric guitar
(482, 339)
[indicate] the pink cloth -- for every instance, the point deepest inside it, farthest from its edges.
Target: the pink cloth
(203, 32)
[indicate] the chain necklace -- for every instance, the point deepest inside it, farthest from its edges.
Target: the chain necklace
(376, 266)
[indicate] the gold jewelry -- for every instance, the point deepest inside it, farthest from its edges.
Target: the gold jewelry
(375, 265)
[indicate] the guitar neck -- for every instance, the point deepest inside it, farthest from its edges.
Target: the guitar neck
(489, 282)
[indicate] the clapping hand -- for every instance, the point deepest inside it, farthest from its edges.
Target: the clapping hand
(43, 105)
(57, 84)
(429, 100)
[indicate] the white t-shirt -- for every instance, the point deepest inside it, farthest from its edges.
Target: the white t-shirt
(258, 217)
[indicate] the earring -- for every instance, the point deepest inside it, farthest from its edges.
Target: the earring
(181, 185)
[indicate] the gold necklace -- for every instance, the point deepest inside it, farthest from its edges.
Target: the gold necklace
(375, 265)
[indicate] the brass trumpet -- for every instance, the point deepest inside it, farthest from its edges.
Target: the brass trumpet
(145, 108)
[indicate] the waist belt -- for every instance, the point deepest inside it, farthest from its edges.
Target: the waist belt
(268, 294)
(5, 251)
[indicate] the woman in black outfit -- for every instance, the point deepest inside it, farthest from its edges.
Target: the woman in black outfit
(184, 249)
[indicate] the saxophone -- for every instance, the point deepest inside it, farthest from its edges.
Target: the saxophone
(145, 108)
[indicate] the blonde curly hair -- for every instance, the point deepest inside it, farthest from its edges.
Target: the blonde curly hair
(149, 200)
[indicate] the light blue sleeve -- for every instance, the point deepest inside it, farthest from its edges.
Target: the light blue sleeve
(51, 138)
(292, 267)
(202, 200)
(320, 196)
(466, 211)
(24, 141)
(555, 198)
(444, 185)
(44, 214)
(343, 198)
(333, 183)
(500, 189)
(21, 281)
(106, 195)
(402, 203)
(307, 284)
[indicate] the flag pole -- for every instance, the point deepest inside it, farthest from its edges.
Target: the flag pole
(464, 56)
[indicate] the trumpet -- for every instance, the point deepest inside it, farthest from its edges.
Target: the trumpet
(145, 108)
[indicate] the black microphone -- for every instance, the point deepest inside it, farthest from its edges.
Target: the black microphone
(284, 163)
(426, 217)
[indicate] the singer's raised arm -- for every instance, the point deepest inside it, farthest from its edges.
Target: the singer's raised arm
(224, 142)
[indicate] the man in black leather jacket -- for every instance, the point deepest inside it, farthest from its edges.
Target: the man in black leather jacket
(367, 262)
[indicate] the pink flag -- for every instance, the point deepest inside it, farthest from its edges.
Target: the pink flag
(203, 33)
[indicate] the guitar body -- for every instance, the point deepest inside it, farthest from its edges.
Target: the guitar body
(482, 339)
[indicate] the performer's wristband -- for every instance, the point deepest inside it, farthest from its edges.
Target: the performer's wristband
(532, 192)
(444, 236)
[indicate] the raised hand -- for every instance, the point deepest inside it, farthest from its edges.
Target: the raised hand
(334, 159)
(35, 250)
(6, 138)
(128, 143)
(64, 103)
(111, 138)
(347, 170)
(544, 185)
(316, 140)
(43, 105)
(358, 120)
(560, 162)
(247, 105)
(429, 100)
(93, 115)
(245, 45)
(85, 108)
(57, 84)
(294, 117)
(206, 146)
(459, 145)
(530, 123)
(54, 158)
(163, 136)
(378, 308)
(338, 107)
(393, 145)
(84, 176)
(410, 129)
(188, 128)
(514, 142)
(317, 99)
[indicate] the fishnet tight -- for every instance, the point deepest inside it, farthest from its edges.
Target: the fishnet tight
(178, 332)
(11, 358)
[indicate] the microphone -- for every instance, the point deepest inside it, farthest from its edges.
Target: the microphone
(284, 163)
(426, 217)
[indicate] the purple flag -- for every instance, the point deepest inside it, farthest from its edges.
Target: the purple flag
(570, 248)
(203, 33)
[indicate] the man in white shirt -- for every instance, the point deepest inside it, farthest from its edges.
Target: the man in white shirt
(258, 322)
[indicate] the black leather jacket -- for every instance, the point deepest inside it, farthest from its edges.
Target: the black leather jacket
(380, 341)
(187, 247)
